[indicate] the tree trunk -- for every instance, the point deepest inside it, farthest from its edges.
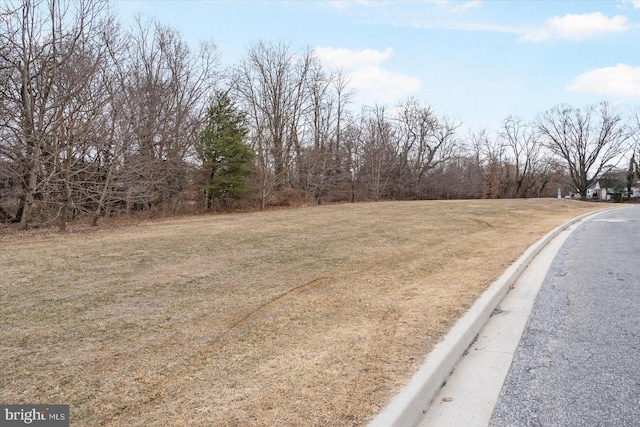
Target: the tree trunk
(103, 197)
(4, 216)
(30, 191)
(66, 195)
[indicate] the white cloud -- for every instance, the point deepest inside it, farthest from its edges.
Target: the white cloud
(621, 80)
(450, 6)
(373, 83)
(344, 4)
(423, 14)
(462, 8)
(635, 3)
(577, 27)
(347, 58)
(377, 85)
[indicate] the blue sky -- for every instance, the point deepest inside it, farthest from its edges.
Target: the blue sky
(475, 61)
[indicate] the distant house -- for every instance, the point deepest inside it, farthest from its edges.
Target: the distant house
(608, 189)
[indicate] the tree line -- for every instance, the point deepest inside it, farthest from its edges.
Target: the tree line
(99, 120)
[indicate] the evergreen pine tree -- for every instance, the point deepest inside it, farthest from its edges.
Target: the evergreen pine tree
(226, 160)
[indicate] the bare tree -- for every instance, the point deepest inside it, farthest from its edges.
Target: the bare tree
(378, 145)
(340, 175)
(45, 44)
(425, 141)
(461, 177)
(528, 165)
(85, 78)
(490, 154)
(322, 157)
(591, 140)
(351, 140)
(166, 88)
(270, 83)
(315, 164)
(112, 122)
(343, 99)
(92, 117)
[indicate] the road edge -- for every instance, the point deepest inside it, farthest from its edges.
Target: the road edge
(410, 404)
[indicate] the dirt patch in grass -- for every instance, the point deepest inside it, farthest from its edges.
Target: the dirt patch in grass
(308, 316)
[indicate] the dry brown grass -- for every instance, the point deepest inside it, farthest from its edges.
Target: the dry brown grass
(308, 316)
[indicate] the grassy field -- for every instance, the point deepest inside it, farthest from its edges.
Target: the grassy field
(296, 317)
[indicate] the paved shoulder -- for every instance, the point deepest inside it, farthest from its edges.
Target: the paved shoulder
(578, 361)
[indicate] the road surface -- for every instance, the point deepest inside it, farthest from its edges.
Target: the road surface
(578, 361)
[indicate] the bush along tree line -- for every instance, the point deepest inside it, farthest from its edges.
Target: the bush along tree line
(97, 120)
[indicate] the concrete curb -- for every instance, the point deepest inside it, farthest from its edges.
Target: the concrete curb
(409, 406)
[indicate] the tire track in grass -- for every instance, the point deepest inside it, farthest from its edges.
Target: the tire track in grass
(245, 318)
(191, 363)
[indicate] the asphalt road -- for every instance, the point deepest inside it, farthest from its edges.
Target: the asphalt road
(578, 361)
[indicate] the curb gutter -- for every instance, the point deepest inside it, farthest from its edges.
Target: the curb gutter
(409, 406)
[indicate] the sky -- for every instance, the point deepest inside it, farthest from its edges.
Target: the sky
(475, 61)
